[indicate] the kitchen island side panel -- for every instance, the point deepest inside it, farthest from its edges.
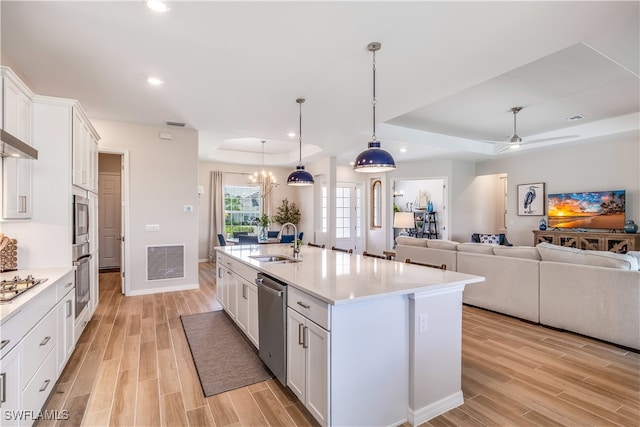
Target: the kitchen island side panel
(370, 362)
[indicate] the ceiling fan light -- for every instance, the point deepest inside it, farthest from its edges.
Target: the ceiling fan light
(300, 177)
(374, 160)
(514, 146)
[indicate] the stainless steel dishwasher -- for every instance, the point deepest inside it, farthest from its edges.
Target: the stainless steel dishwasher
(272, 324)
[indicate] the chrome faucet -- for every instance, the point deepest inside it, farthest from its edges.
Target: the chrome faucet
(296, 249)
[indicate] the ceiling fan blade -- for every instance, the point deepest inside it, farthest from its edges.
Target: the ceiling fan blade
(505, 148)
(555, 138)
(494, 142)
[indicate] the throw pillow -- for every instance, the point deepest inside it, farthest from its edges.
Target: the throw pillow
(492, 239)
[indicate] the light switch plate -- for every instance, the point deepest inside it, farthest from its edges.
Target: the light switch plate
(153, 227)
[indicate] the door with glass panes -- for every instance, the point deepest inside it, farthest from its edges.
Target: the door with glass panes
(348, 205)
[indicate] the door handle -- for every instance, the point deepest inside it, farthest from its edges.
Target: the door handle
(300, 334)
(45, 385)
(305, 338)
(4, 343)
(3, 387)
(45, 341)
(307, 306)
(69, 309)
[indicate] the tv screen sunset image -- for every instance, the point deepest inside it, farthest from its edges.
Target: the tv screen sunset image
(599, 210)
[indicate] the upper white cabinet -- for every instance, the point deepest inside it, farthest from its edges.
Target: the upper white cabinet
(16, 172)
(85, 152)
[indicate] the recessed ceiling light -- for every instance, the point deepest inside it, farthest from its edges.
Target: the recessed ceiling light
(575, 117)
(157, 6)
(155, 81)
(291, 134)
(403, 150)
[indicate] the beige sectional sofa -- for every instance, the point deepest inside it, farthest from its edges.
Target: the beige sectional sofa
(589, 292)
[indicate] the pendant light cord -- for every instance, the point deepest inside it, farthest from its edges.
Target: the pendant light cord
(300, 137)
(373, 103)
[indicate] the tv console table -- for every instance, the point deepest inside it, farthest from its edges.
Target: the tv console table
(590, 240)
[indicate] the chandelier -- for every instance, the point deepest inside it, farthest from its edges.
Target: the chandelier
(263, 179)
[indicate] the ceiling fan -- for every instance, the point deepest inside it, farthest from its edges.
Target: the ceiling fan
(515, 141)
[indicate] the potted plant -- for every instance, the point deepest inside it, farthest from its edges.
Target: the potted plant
(287, 212)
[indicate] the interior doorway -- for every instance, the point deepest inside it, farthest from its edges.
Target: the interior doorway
(414, 195)
(113, 213)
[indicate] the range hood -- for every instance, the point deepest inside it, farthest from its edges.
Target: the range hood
(13, 147)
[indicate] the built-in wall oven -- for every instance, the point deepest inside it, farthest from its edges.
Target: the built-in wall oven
(81, 252)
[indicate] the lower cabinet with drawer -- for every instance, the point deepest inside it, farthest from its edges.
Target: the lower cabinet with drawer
(36, 344)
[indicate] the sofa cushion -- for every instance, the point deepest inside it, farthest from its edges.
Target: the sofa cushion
(636, 255)
(477, 248)
(549, 252)
(526, 252)
(442, 244)
(411, 241)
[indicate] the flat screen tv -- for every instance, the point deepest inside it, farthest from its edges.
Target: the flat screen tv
(593, 210)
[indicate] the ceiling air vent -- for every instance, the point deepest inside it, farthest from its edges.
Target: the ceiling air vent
(574, 118)
(177, 124)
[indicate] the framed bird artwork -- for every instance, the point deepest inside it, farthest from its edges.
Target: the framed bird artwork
(531, 198)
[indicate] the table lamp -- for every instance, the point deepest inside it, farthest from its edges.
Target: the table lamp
(403, 220)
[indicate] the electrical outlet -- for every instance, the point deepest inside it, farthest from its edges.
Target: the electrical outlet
(153, 227)
(424, 323)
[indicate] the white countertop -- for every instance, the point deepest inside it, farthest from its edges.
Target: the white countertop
(339, 278)
(9, 309)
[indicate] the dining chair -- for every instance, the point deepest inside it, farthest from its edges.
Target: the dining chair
(424, 264)
(346, 251)
(221, 239)
(287, 238)
(244, 239)
(365, 253)
(315, 246)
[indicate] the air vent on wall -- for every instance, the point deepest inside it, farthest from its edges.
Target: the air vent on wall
(574, 118)
(177, 124)
(165, 262)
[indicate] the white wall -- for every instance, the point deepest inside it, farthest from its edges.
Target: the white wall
(163, 180)
(611, 163)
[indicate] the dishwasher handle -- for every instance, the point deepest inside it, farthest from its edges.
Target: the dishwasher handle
(269, 287)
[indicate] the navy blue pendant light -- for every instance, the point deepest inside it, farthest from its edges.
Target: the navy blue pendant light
(374, 159)
(300, 177)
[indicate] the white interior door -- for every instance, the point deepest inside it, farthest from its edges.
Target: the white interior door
(349, 216)
(110, 218)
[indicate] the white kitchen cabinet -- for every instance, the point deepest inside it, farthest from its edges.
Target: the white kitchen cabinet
(308, 347)
(31, 338)
(17, 109)
(85, 152)
(247, 308)
(66, 320)
(10, 386)
(231, 294)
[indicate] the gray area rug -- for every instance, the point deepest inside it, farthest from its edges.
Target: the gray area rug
(224, 358)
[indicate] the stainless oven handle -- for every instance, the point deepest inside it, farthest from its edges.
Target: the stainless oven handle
(82, 259)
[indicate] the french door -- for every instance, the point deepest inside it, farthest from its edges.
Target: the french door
(349, 234)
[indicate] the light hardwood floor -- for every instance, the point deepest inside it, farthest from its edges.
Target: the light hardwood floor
(132, 366)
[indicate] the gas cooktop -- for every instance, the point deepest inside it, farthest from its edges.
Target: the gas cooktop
(11, 288)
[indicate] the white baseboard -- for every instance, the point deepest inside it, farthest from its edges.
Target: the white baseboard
(149, 291)
(203, 260)
(424, 414)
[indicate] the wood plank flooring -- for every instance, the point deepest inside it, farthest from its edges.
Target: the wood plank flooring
(132, 367)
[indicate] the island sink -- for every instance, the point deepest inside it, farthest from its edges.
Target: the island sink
(273, 259)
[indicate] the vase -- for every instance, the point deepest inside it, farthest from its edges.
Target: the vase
(543, 224)
(630, 226)
(263, 233)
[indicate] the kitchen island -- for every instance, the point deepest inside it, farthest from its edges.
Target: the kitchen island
(369, 341)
